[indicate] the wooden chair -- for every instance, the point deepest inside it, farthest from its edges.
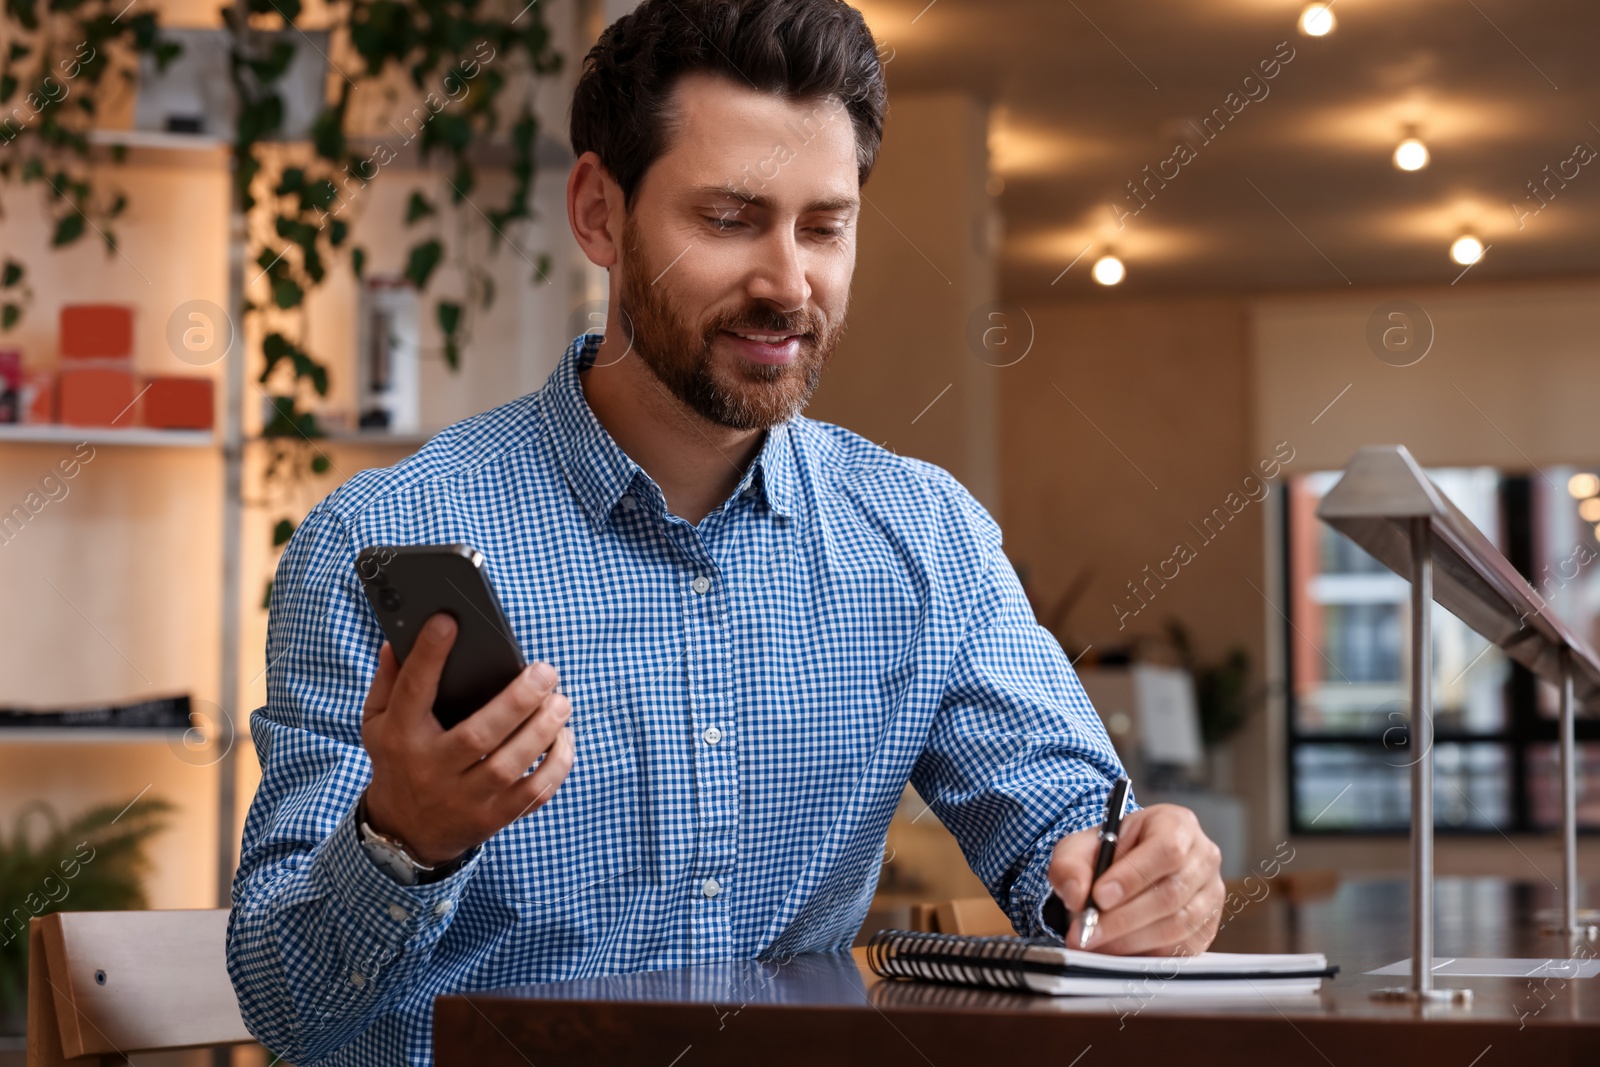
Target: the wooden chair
(105, 984)
(979, 916)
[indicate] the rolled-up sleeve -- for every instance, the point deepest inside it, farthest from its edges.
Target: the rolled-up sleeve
(320, 940)
(1017, 757)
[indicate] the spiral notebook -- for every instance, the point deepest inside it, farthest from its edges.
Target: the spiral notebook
(1045, 967)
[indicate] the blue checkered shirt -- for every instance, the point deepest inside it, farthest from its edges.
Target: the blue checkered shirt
(750, 697)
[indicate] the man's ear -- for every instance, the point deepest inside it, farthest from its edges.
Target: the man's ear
(595, 210)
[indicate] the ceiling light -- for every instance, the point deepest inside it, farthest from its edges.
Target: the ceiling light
(1582, 485)
(1411, 154)
(1589, 510)
(1316, 20)
(1467, 250)
(1108, 270)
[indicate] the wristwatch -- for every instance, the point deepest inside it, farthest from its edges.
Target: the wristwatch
(392, 857)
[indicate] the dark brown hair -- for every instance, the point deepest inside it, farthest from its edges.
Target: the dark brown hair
(802, 49)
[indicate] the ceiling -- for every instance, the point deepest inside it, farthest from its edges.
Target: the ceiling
(1296, 190)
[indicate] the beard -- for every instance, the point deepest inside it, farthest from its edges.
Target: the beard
(743, 396)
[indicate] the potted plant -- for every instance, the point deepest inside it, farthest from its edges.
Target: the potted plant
(96, 862)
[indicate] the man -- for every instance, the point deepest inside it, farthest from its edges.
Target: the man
(753, 629)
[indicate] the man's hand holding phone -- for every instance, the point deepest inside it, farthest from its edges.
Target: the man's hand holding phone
(443, 791)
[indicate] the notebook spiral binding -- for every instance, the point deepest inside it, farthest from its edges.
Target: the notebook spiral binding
(955, 958)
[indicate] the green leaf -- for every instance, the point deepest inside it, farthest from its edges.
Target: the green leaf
(68, 229)
(266, 596)
(286, 294)
(12, 274)
(462, 181)
(320, 464)
(311, 260)
(449, 318)
(8, 86)
(338, 230)
(320, 194)
(292, 180)
(166, 52)
(327, 133)
(301, 233)
(9, 314)
(417, 207)
(452, 355)
(282, 532)
(422, 261)
(358, 261)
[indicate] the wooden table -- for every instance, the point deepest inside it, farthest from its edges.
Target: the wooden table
(828, 1009)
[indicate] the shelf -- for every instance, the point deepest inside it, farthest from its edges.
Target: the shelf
(156, 139)
(100, 735)
(55, 433)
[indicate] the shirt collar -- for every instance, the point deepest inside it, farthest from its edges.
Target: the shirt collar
(600, 472)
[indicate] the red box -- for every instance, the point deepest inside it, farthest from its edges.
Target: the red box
(96, 331)
(94, 396)
(177, 403)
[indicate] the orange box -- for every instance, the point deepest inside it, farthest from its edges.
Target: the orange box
(96, 331)
(177, 403)
(38, 395)
(94, 396)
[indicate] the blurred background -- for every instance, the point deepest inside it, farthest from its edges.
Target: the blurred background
(1142, 275)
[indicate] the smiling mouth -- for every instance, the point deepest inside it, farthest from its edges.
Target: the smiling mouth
(765, 338)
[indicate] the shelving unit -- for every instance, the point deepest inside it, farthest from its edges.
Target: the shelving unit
(152, 148)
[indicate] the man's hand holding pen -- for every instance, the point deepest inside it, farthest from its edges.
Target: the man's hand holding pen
(1162, 893)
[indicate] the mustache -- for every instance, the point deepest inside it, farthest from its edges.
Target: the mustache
(768, 320)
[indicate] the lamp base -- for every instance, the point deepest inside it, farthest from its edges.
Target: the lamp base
(1456, 997)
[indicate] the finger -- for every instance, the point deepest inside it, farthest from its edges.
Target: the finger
(1136, 917)
(1072, 867)
(1187, 930)
(533, 791)
(1155, 843)
(417, 685)
(382, 687)
(505, 765)
(488, 728)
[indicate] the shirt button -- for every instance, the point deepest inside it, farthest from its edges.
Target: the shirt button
(442, 908)
(712, 735)
(711, 887)
(628, 503)
(700, 584)
(398, 913)
(358, 979)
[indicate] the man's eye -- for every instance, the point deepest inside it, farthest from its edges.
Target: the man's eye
(722, 222)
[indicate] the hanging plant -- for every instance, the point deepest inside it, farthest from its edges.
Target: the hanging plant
(63, 62)
(464, 60)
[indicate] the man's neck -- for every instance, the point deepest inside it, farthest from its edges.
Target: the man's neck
(696, 462)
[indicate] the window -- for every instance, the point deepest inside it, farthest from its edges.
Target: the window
(1348, 640)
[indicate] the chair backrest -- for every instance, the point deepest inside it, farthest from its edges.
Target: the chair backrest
(978, 916)
(116, 982)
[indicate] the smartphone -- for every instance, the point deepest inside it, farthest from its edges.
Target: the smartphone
(407, 584)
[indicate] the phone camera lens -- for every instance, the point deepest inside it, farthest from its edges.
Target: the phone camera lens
(389, 598)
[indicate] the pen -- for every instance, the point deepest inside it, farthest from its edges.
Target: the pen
(1116, 808)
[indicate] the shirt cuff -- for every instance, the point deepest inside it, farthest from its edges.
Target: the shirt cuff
(394, 915)
(1032, 895)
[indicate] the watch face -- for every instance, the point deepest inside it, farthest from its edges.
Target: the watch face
(389, 859)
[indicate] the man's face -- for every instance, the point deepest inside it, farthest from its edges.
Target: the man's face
(738, 252)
